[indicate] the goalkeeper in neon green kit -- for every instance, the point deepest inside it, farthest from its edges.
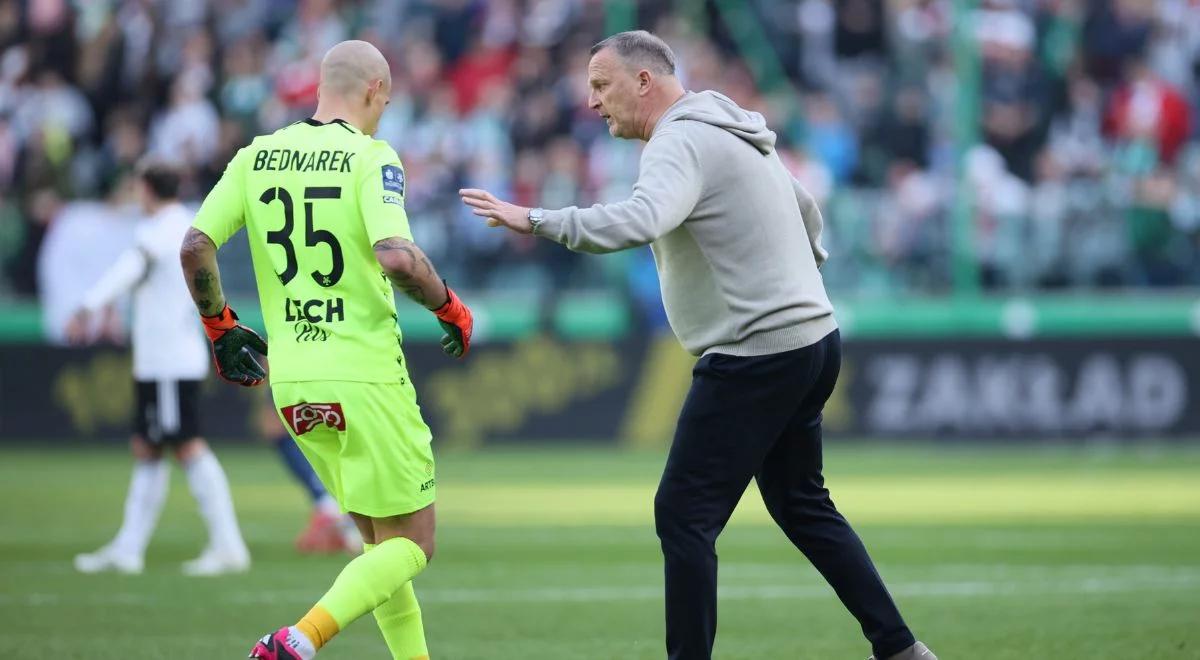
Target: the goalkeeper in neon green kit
(323, 206)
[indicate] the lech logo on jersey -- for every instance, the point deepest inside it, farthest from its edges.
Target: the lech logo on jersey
(304, 417)
(393, 179)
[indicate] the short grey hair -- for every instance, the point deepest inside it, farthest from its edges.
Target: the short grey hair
(641, 49)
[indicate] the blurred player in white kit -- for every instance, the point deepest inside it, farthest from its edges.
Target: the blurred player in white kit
(170, 360)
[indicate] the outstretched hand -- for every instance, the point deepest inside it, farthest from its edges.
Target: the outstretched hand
(498, 212)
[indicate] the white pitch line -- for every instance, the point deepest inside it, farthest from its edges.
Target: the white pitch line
(808, 592)
(1182, 581)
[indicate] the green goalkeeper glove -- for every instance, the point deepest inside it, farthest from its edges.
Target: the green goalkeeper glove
(231, 344)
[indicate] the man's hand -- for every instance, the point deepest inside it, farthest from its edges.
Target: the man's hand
(78, 330)
(85, 328)
(112, 327)
(499, 213)
(231, 344)
(456, 320)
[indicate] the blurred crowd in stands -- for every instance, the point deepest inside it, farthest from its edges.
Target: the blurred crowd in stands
(1080, 167)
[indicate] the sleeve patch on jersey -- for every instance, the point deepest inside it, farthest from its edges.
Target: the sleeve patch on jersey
(392, 199)
(393, 179)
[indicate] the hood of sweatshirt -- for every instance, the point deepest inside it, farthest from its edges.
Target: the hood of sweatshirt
(718, 110)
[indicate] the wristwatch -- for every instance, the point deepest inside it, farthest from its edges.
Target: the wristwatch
(535, 217)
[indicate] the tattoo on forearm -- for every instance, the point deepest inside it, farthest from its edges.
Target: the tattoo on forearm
(415, 276)
(207, 286)
(199, 258)
(202, 280)
(413, 292)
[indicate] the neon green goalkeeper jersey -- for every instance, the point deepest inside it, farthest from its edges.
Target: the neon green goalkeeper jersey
(314, 199)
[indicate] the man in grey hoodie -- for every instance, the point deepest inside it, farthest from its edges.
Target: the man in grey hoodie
(737, 244)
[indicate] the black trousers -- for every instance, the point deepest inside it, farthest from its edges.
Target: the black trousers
(759, 417)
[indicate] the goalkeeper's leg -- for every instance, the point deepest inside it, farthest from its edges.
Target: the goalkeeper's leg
(403, 547)
(400, 623)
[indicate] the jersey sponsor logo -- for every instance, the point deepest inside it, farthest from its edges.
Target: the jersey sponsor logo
(393, 180)
(316, 310)
(427, 485)
(304, 417)
(294, 160)
(307, 315)
(306, 331)
(389, 199)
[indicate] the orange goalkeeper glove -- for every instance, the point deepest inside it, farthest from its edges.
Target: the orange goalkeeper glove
(456, 320)
(231, 343)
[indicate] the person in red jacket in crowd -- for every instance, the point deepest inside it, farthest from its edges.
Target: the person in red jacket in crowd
(1147, 107)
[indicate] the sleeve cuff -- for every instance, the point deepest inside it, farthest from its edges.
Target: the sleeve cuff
(551, 226)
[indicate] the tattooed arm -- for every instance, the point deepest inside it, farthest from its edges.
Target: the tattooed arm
(231, 341)
(409, 270)
(199, 258)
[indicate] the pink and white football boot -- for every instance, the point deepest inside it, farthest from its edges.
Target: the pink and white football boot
(284, 644)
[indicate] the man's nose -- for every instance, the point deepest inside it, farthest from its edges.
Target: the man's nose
(593, 101)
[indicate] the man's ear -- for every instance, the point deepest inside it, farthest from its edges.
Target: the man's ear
(644, 80)
(373, 89)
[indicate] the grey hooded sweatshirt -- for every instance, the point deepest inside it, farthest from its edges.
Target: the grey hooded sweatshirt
(736, 239)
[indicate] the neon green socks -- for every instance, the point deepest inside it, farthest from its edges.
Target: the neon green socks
(399, 620)
(367, 582)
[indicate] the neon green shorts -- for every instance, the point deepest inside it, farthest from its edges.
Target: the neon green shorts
(366, 441)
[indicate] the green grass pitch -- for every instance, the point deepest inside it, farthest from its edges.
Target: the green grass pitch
(992, 554)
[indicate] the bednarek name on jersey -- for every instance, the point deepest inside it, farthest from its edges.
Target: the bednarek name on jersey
(292, 160)
(315, 198)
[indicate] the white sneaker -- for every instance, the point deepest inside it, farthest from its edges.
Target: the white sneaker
(108, 559)
(917, 651)
(217, 562)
